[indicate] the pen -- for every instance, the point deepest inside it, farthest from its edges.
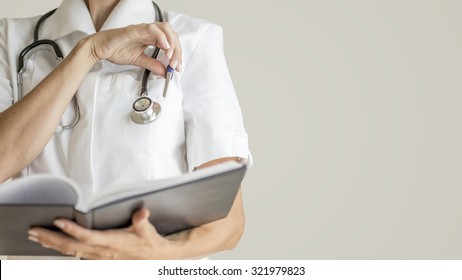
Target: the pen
(168, 77)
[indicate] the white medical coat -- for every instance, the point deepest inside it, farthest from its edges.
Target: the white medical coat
(200, 119)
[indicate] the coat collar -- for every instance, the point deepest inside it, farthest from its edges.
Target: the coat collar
(73, 16)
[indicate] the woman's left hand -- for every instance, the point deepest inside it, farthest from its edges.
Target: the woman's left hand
(139, 241)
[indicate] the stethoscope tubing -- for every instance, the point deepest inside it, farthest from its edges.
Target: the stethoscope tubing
(139, 116)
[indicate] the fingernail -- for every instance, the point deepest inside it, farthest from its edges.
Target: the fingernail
(167, 45)
(180, 67)
(33, 239)
(33, 233)
(170, 54)
(59, 224)
(175, 64)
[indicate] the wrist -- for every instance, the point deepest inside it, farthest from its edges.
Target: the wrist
(175, 250)
(175, 247)
(85, 47)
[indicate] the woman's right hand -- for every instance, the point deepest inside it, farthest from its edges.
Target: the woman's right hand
(28, 125)
(127, 45)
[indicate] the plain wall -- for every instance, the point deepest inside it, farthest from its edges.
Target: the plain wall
(353, 112)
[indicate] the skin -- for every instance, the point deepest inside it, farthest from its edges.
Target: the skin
(31, 122)
(141, 240)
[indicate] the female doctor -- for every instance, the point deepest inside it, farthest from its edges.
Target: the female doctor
(106, 46)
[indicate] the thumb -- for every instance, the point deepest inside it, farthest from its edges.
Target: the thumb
(140, 223)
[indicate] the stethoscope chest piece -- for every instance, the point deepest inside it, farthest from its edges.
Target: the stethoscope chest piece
(145, 110)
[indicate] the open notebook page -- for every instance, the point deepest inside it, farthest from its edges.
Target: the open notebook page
(38, 190)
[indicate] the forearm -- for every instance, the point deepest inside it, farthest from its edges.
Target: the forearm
(28, 125)
(214, 237)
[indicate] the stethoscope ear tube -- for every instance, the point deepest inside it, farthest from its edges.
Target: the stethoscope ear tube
(77, 114)
(145, 110)
(141, 114)
(26, 50)
(59, 56)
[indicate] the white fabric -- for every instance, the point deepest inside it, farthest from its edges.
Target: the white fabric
(200, 120)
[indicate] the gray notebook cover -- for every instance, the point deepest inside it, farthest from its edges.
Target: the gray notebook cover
(173, 209)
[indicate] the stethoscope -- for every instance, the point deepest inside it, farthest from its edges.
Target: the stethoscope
(145, 110)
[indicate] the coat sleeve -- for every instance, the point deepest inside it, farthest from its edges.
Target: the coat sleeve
(213, 118)
(6, 89)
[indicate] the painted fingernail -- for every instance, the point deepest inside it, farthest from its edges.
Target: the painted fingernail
(58, 224)
(33, 239)
(33, 233)
(174, 64)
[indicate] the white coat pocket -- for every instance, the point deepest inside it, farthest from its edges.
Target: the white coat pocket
(128, 152)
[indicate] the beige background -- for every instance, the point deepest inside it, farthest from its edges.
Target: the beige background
(353, 112)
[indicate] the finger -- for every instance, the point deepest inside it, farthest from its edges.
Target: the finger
(101, 254)
(140, 219)
(160, 37)
(165, 38)
(176, 62)
(174, 54)
(141, 225)
(175, 51)
(82, 234)
(140, 216)
(59, 242)
(151, 64)
(170, 35)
